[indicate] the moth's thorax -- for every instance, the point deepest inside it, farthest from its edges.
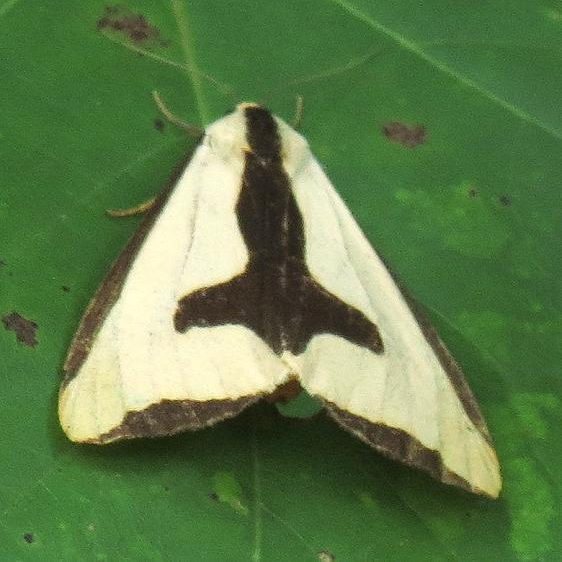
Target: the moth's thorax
(233, 136)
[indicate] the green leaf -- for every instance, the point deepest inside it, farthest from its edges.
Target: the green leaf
(469, 219)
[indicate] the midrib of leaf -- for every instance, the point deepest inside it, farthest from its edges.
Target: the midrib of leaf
(256, 554)
(439, 65)
(180, 15)
(260, 508)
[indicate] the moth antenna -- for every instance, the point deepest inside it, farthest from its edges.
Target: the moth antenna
(299, 112)
(193, 130)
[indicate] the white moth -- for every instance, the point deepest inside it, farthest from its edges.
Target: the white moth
(249, 274)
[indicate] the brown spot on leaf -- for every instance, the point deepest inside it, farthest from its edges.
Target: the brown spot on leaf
(2, 262)
(28, 538)
(159, 125)
(505, 200)
(122, 21)
(404, 134)
(24, 329)
(66, 288)
(326, 556)
(473, 192)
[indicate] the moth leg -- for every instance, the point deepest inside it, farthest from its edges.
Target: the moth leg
(139, 209)
(147, 205)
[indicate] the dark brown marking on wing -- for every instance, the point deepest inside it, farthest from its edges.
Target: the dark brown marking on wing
(399, 445)
(169, 417)
(276, 296)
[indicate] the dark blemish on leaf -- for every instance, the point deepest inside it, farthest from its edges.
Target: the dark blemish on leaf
(326, 556)
(120, 20)
(404, 134)
(159, 124)
(28, 538)
(66, 288)
(214, 496)
(473, 192)
(24, 329)
(2, 263)
(505, 200)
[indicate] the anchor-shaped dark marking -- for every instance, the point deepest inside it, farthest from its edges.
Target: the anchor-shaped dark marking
(276, 296)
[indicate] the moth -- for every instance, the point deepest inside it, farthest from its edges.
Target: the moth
(249, 274)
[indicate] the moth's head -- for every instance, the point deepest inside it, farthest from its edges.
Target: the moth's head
(251, 128)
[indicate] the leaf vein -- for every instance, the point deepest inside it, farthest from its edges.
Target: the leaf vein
(416, 49)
